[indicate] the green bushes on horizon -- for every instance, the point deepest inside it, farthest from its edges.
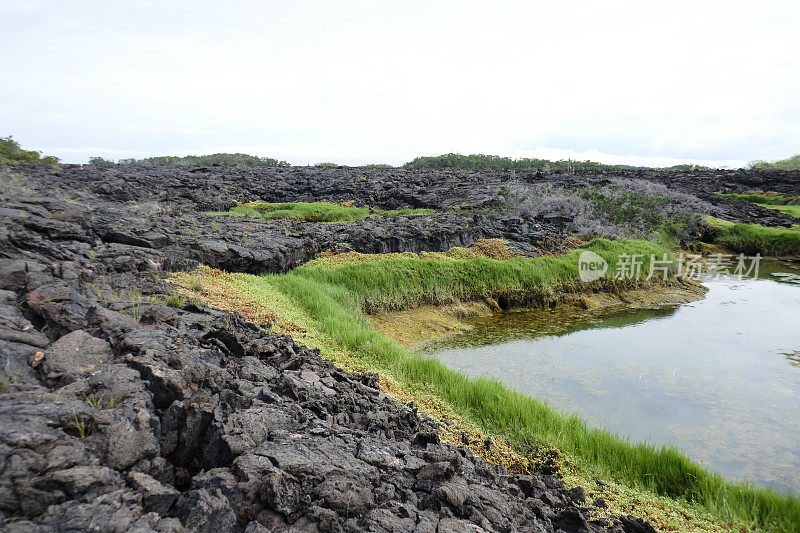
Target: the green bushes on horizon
(223, 159)
(11, 153)
(790, 163)
(496, 162)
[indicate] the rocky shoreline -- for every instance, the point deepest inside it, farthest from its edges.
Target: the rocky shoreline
(119, 412)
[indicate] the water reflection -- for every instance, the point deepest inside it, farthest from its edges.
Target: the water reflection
(719, 378)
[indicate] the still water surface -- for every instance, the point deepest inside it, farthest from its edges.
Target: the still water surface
(718, 378)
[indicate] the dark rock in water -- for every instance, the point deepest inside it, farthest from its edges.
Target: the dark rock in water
(143, 417)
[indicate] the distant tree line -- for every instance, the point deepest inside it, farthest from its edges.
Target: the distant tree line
(199, 160)
(11, 154)
(496, 162)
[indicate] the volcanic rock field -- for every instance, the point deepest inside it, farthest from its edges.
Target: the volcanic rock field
(119, 412)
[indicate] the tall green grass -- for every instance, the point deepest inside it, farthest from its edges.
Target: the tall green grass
(335, 299)
(410, 281)
(752, 239)
(313, 211)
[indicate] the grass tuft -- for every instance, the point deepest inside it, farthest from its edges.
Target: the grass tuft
(174, 299)
(101, 402)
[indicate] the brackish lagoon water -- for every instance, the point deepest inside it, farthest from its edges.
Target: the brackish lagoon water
(718, 378)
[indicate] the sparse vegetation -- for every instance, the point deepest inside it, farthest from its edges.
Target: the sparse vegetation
(12, 182)
(101, 402)
(632, 208)
(11, 153)
(79, 426)
(174, 299)
(789, 205)
(314, 211)
(5, 381)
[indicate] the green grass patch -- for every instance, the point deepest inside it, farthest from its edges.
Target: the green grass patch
(314, 211)
(789, 209)
(753, 238)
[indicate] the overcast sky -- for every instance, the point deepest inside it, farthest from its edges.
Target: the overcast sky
(374, 81)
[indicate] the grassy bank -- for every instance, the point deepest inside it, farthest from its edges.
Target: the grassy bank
(314, 211)
(324, 303)
(379, 286)
(753, 238)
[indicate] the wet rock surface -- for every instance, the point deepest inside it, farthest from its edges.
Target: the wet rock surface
(120, 413)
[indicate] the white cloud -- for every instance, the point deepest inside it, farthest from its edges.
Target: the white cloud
(371, 81)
